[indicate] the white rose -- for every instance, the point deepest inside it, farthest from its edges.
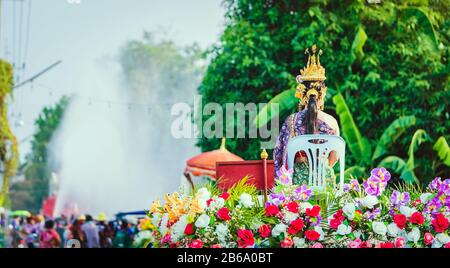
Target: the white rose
(299, 242)
(290, 216)
(217, 203)
(357, 234)
(344, 229)
(279, 229)
(442, 238)
(349, 210)
(407, 211)
(304, 206)
(379, 228)
(414, 235)
(425, 197)
(369, 201)
(393, 230)
(246, 200)
(179, 227)
(320, 231)
(203, 193)
(202, 221)
(221, 230)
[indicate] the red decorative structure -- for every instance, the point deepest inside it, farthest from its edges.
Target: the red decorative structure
(259, 173)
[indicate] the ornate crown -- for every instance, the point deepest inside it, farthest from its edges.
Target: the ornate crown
(313, 70)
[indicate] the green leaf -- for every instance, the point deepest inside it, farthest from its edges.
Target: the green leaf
(443, 150)
(286, 101)
(358, 145)
(424, 22)
(399, 166)
(358, 44)
(355, 172)
(392, 133)
(418, 138)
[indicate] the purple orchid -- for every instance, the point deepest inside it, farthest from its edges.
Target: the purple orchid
(370, 215)
(435, 184)
(374, 186)
(285, 175)
(302, 193)
(444, 188)
(277, 199)
(433, 206)
(400, 199)
(354, 185)
(381, 173)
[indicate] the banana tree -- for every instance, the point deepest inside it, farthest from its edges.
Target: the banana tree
(361, 149)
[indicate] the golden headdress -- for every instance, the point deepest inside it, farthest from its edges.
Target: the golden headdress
(315, 73)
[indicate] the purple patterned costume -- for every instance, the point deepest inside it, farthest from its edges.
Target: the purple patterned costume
(296, 122)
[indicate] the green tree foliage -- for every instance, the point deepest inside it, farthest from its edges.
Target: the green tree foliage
(9, 153)
(159, 69)
(29, 193)
(388, 60)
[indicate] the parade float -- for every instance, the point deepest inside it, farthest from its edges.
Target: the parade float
(252, 204)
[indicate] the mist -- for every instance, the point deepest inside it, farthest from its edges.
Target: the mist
(114, 151)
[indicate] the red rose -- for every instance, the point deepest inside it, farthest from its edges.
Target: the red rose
(296, 226)
(334, 223)
(447, 245)
(312, 235)
(245, 238)
(417, 218)
(339, 215)
(224, 214)
(313, 212)
(416, 202)
(208, 202)
(189, 230)
(428, 239)
(292, 207)
(196, 244)
(399, 242)
(287, 243)
(365, 244)
(264, 230)
(387, 245)
(400, 220)
(440, 223)
(224, 195)
(216, 246)
(272, 210)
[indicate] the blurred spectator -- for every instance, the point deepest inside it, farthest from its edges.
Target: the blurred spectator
(91, 233)
(49, 238)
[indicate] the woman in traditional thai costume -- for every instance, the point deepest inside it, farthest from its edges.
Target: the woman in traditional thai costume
(310, 119)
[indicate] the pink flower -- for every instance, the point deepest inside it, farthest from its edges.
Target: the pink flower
(428, 239)
(447, 245)
(287, 243)
(166, 239)
(216, 246)
(317, 245)
(399, 242)
(224, 195)
(196, 244)
(355, 243)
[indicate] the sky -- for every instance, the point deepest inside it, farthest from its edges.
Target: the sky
(80, 32)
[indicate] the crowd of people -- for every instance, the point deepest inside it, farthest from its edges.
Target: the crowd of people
(83, 231)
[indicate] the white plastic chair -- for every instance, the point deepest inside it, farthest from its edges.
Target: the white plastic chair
(317, 155)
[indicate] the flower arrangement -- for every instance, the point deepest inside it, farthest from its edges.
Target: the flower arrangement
(367, 215)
